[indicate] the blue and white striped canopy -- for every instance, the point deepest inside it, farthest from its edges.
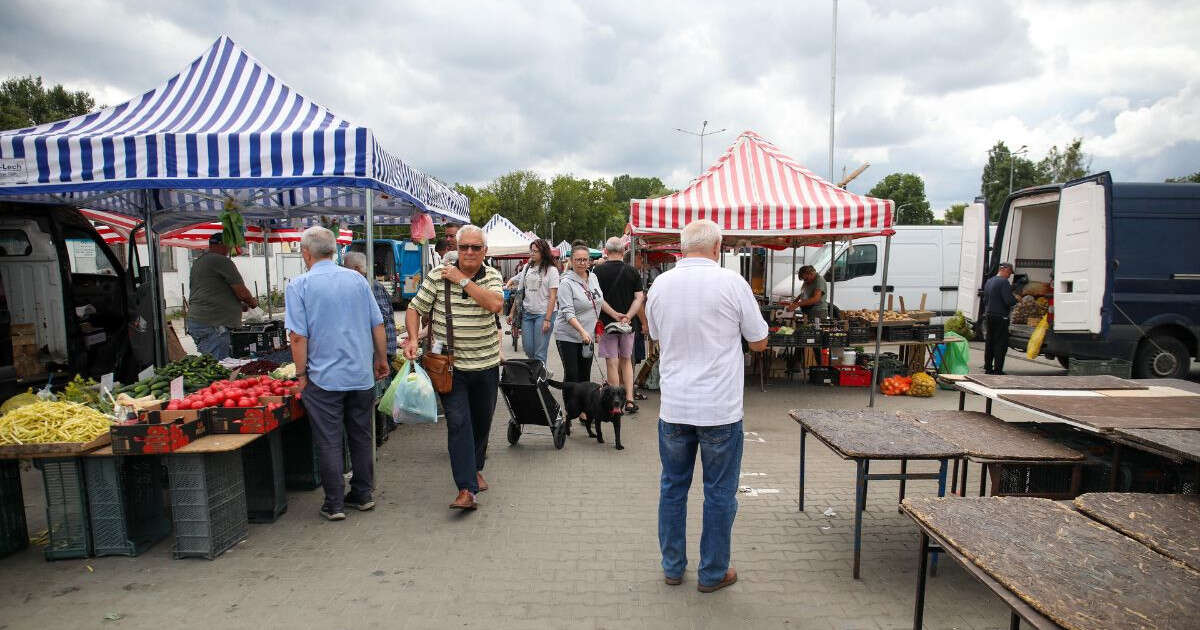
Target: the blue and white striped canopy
(224, 127)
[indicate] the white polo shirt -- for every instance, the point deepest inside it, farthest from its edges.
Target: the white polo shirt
(699, 313)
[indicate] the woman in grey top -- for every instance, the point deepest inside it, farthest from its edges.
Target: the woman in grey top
(580, 302)
(539, 281)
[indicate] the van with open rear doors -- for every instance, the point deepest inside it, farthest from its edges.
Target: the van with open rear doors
(66, 301)
(1118, 265)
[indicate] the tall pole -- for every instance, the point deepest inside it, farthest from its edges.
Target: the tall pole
(156, 294)
(887, 257)
(832, 88)
(701, 135)
(702, 128)
(370, 237)
(266, 232)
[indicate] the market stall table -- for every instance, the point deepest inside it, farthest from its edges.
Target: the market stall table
(993, 444)
(1166, 523)
(864, 435)
(1054, 567)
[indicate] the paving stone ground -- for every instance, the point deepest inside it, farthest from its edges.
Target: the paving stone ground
(564, 539)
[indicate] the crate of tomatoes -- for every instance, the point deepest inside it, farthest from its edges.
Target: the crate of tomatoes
(255, 404)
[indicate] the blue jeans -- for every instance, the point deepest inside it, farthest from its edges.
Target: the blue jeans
(469, 407)
(535, 342)
(721, 455)
(210, 340)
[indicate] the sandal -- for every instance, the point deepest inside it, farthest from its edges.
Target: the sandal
(630, 407)
(637, 395)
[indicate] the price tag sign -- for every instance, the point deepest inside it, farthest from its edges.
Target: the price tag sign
(146, 373)
(177, 388)
(106, 382)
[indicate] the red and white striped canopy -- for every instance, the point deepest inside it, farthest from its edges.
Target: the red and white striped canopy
(759, 195)
(115, 228)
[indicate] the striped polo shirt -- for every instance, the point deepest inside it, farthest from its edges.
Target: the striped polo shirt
(476, 342)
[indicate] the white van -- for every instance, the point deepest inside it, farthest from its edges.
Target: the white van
(924, 262)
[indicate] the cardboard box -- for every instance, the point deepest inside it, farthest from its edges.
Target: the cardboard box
(245, 419)
(147, 438)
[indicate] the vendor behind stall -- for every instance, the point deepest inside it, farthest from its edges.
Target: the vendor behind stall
(811, 301)
(217, 296)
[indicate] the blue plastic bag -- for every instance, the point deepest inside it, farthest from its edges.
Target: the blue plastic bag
(415, 401)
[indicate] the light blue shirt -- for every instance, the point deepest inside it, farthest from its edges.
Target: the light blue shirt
(335, 310)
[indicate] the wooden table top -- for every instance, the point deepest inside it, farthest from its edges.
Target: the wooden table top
(1174, 412)
(984, 437)
(872, 434)
(219, 443)
(1166, 523)
(1004, 381)
(1075, 571)
(1182, 443)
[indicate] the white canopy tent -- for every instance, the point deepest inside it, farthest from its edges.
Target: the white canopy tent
(505, 239)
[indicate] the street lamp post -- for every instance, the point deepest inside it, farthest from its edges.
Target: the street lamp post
(701, 135)
(552, 233)
(1024, 149)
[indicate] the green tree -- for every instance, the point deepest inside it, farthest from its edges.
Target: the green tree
(482, 202)
(626, 187)
(520, 196)
(584, 209)
(25, 102)
(1066, 165)
(908, 192)
(954, 214)
(1194, 178)
(994, 183)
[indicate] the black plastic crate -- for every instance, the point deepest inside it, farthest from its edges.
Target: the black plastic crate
(898, 333)
(1041, 480)
(14, 533)
(300, 464)
(250, 341)
(208, 503)
(859, 335)
(262, 468)
(935, 332)
(125, 504)
(834, 339)
(68, 530)
(822, 375)
(776, 340)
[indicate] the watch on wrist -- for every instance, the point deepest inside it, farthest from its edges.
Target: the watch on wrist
(464, 282)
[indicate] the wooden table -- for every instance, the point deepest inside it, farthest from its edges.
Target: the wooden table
(1055, 567)
(864, 435)
(1166, 523)
(992, 443)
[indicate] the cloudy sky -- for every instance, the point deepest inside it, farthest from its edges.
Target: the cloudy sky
(469, 89)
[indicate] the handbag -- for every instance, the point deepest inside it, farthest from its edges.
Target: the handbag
(440, 367)
(599, 329)
(518, 309)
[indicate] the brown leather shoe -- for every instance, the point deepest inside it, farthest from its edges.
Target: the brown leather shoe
(730, 578)
(483, 485)
(464, 501)
(672, 581)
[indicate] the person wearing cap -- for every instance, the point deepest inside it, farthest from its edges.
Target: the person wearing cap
(998, 300)
(216, 301)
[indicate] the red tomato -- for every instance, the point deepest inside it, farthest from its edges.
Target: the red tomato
(246, 402)
(229, 402)
(173, 405)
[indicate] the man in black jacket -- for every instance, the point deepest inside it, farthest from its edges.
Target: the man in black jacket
(998, 302)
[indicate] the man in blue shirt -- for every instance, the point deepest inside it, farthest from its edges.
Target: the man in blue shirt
(998, 300)
(336, 328)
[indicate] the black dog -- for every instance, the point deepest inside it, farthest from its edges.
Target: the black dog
(593, 404)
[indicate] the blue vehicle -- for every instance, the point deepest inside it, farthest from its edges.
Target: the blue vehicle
(1117, 260)
(397, 267)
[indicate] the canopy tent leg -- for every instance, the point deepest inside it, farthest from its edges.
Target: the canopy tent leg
(793, 269)
(370, 238)
(160, 338)
(887, 257)
(267, 263)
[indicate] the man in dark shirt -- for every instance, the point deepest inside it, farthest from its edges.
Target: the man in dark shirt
(998, 300)
(622, 288)
(217, 296)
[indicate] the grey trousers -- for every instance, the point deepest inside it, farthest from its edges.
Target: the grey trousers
(330, 413)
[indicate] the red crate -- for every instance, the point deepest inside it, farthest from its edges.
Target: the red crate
(853, 376)
(245, 419)
(148, 438)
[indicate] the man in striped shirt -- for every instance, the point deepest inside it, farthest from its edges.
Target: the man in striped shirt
(476, 296)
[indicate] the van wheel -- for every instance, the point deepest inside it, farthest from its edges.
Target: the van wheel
(1065, 362)
(1162, 356)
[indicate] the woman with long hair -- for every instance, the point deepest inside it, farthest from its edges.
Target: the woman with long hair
(538, 284)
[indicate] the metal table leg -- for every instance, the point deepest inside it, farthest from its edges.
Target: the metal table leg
(941, 493)
(1014, 622)
(983, 474)
(803, 433)
(954, 477)
(988, 406)
(919, 605)
(860, 500)
(903, 471)
(962, 484)
(962, 401)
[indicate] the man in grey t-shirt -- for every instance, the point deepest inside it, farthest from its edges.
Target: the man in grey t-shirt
(217, 296)
(812, 301)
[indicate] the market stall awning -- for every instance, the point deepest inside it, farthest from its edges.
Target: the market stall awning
(115, 228)
(759, 195)
(505, 239)
(224, 127)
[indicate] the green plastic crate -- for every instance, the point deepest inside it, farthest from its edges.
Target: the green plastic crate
(125, 504)
(1096, 367)
(69, 531)
(14, 534)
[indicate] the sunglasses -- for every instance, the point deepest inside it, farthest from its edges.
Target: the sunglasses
(470, 248)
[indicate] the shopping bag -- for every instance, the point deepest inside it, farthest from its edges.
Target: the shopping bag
(389, 395)
(415, 401)
(1034, 347)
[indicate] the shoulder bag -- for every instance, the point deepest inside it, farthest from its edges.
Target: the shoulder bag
(440, 367)
(587, 290)
(518, 308)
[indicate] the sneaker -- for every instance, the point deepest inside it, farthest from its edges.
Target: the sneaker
(333, 516)
(362, 506)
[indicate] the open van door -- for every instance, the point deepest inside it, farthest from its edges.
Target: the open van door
(1082, 278)
(970, 260)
